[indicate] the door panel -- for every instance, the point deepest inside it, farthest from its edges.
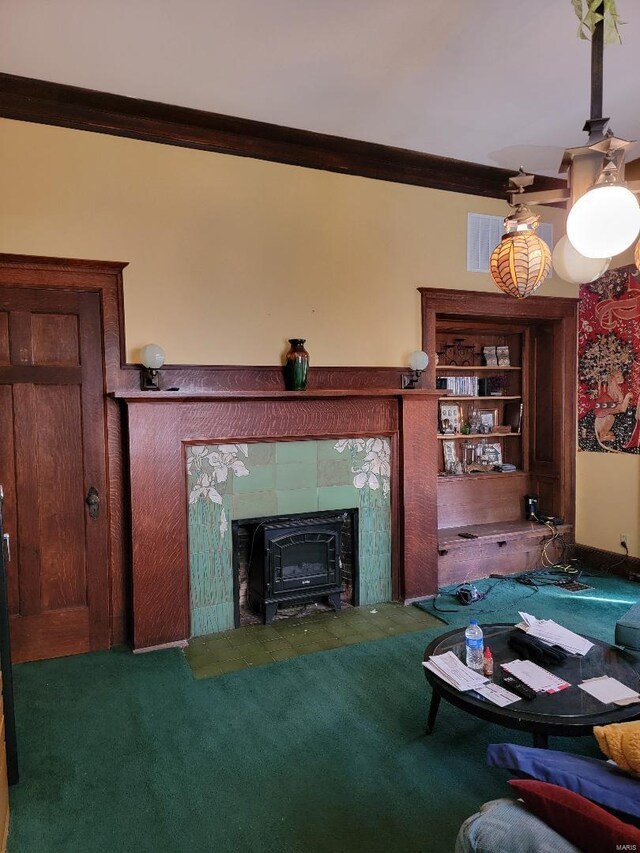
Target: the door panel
(60, 487)
(55, 339)
(52, 449)
(4, 338)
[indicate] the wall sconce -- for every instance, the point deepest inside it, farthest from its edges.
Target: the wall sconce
(152, 358)
(418, 361)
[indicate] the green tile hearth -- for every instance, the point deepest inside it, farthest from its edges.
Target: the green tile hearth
(256, 645)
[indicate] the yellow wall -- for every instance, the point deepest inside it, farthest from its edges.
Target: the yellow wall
(230, 256)
(608, 484)
(608, 500)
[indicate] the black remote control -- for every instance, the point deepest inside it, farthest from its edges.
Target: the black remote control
(518, 686)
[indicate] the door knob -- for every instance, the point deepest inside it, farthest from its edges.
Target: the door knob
(93, 502)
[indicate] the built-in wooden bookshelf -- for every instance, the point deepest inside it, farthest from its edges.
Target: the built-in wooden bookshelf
(534, 395)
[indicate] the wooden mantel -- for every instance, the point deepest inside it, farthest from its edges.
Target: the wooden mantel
(311, 393)
(160, 423)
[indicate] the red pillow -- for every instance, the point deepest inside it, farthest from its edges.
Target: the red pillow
(583, 823)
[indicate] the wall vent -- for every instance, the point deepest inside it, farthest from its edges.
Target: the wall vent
(483, 235)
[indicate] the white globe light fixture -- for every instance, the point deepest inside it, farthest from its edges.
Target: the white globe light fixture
(152, 358)
(604, 221)
(418, 361)
(573, 267)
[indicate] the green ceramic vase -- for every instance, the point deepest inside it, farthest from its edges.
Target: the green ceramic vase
(296, 368)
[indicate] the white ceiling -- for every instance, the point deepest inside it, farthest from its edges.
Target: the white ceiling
(501, 82)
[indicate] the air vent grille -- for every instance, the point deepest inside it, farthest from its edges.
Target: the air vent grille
(484, 232)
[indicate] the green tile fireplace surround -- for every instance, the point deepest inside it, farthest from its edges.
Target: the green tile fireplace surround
(229, 482)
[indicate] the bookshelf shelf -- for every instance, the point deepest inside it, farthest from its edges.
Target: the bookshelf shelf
(476, 368)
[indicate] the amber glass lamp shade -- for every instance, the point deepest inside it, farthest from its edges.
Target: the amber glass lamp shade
(522, 260)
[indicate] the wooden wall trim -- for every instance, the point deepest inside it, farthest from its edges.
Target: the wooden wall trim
(477, 303)
(44, 102)
(609, 561)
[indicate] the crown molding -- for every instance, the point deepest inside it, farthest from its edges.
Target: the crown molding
(43, 102)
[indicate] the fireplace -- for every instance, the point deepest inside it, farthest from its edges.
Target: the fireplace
(181, 585)
(294, 559)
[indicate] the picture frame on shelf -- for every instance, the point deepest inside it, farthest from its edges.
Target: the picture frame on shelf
(450, 453)
(450, 418)
(488, 419)
(489, 453)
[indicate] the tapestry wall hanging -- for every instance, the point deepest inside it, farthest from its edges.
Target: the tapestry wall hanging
(609, 363)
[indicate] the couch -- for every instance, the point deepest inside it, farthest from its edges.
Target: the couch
(567, 802)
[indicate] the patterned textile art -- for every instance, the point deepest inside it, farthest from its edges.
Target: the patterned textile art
(609, 363)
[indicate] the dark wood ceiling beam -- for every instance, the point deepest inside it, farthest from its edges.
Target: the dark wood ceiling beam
(44, 102)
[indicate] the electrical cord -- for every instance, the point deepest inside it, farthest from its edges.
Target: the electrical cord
(552, 573)
(452, 592)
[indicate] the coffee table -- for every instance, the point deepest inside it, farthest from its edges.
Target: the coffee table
(569, 713)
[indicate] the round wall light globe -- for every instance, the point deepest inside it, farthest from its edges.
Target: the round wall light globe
(573, 267)
(604, 221)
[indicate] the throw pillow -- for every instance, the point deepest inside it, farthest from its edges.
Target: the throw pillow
(580, 821)
(592, 777)
(621, 742)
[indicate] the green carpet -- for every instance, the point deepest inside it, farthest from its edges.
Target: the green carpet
(323, 752)
(256, 645)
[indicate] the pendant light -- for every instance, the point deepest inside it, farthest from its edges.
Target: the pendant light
(522, 260)
(604, 214)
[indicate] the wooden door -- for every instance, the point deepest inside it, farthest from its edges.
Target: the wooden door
(52, 452)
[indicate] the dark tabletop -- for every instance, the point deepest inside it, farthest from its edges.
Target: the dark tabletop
(570, 712)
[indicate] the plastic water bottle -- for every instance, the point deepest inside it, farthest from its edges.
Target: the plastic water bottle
(474, 646)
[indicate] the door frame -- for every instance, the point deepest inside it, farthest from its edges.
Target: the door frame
(105, 279)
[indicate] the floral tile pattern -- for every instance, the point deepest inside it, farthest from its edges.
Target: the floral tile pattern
(232, 481)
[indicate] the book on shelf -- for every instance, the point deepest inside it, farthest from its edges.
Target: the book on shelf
(462, 386)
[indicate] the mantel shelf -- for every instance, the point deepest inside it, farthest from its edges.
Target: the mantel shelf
(278, 394)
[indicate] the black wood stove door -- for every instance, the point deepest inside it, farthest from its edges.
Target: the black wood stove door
(304, 560)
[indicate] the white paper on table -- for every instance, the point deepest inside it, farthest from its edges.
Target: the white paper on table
(450, 668)
(498, 695)
(535, 676)
(607, 689)
(550, 632)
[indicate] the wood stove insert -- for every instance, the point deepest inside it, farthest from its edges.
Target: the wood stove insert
(295, 559)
